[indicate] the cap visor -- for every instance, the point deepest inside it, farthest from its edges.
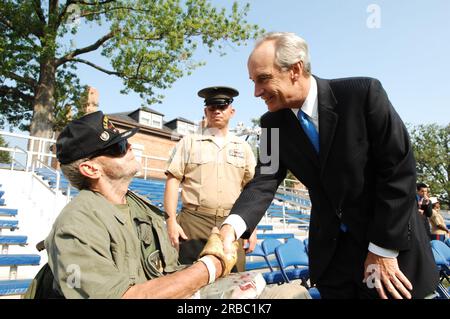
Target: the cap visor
(123, 136)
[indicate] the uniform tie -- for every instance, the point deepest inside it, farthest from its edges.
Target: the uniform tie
(309, 129)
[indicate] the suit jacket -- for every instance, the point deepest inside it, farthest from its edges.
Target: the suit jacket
(364, 177)
(424, 217)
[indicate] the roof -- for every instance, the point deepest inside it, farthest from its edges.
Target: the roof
(182, 119)
(147, 109)
(123, 120)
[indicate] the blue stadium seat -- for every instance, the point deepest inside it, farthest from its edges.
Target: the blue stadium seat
(306, 243)
(14, 287)
(442, 249)
(8, 212)
(9, 224)
(268, 246)
(258, 251)
(260, 264)
(264, 227)
(19, 260)
(275, 236)
(447, 241)
(314, 292)
(13, 240)
(443, 265)
(292, 253)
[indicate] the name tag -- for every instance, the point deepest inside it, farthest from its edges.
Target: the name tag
(236, 153)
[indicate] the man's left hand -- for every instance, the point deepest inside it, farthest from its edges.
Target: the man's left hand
(384, 274)
(250, 244)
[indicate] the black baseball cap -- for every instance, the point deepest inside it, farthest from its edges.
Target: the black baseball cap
(88, 135)
(218, 95)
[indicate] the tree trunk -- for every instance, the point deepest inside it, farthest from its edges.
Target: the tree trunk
(43, 105)
(44, 101)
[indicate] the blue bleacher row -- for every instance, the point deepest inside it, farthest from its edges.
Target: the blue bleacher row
(154, 190)
(286, 261)
(13, 286)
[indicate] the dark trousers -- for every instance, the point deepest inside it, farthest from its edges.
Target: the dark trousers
(345, 273)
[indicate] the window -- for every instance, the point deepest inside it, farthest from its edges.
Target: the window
(157, 121)
(145, 117)
(182, 128)
(150, 119)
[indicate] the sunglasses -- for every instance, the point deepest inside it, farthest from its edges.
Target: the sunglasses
(221, 107)
(116, 150)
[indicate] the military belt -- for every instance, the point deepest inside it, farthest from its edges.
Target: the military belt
(219, 212)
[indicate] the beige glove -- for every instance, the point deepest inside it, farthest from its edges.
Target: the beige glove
(214, 247)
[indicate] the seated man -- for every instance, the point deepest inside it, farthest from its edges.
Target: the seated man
(109, 242)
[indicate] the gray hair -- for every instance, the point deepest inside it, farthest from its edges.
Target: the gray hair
(289, 49)
(72, 172)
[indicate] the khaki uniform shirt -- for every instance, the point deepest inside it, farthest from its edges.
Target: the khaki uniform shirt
(213, 170)
(93, 251)
(435, 220)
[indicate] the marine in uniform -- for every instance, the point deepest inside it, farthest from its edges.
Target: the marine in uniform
(212, 168)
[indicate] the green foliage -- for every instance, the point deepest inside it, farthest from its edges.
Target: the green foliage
(431, 145)
(149, 44)
(5, 157)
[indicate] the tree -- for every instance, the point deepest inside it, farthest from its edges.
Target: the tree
(149, 43)
(431, 145)
(4, 156)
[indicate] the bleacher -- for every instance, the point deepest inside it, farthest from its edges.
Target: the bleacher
(152, 189)
(13, 284)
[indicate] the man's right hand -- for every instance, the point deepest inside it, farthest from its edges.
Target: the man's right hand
(175, 232)
(214, 246)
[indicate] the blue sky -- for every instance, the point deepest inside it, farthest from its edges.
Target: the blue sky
(408, 52)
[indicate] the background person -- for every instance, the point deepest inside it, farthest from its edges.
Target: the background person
(439, 230)
(424, 206)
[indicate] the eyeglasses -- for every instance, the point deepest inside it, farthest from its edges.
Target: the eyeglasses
(116, 150)
(220, 107)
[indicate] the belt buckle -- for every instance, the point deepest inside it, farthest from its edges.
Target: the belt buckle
(220, 212)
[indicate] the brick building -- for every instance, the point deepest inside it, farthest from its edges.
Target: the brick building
(154, 141)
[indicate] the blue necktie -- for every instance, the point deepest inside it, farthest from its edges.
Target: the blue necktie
(309, 129)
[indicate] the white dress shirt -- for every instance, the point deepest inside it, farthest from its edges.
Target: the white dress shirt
(309, 107)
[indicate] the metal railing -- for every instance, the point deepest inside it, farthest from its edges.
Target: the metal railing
(39, 163)
(145, 164)
(14, 161)
(37, 148)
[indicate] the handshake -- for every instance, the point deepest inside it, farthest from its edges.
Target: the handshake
(214, 247)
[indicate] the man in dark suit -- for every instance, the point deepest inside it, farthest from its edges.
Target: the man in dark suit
(344, 141)
(424, 206)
